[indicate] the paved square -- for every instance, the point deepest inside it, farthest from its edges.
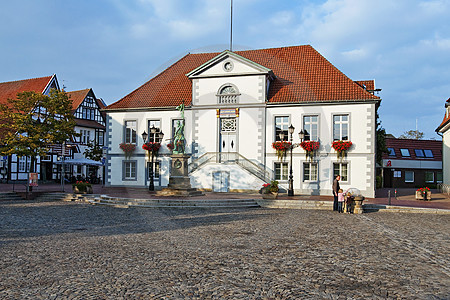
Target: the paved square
(61, 250)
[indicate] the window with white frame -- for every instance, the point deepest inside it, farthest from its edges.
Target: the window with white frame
(281, 171)
(228, 94)
(397, 174)
(281, 126)
(340, 127)
(429, 176)
(409, 176)
(310, 171)
(100, 138)
(129, 170)
(130, 132)
(85, 136)
(311, 128)
(154, 137)
(342, 170)
(24, 164)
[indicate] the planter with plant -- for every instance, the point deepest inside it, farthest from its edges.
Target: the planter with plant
(81, 187)
(281, 148)
(128, 148)
(311, 148)
(341, 148)
(270, 190)
(423, 193)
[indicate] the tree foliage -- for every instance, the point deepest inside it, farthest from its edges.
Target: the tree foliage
(33, 122)
(412, 134)
(94, 152)
(381, 142)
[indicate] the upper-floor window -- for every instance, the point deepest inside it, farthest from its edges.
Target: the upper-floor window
(85, 136)
(419, 153)
(340, 127)
(100, 138)
(154, 137)
(391, 151)
(130, 132)
(228, 94)
(311, 128)
(428, 153)
(405, 152)
(281, 126)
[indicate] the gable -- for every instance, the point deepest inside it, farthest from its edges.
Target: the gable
(228, 64)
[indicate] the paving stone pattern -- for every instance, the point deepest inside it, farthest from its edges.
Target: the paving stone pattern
(66, 250)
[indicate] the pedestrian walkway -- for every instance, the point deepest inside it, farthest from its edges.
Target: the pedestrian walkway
(405, 197)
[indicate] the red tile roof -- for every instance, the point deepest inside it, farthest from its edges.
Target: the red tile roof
(368, 85)
(9, 90)
(77, 97)
(446, 117)
(411, 145)
(302, 75)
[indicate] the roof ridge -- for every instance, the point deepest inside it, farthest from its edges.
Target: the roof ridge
(28, 79)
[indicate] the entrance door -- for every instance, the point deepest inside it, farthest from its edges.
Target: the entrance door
(221, 182)
(228, 138)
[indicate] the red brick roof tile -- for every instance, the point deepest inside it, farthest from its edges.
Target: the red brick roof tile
(77, 97)
(302, 75)
(9, 90)
(446, 117)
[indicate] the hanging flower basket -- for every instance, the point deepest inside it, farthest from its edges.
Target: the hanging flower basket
(341, 148)
(128, 148)
(150, 146)
(310, 147)
(281, 148)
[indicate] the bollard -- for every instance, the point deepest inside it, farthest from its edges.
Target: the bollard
(425, 195)
(395, 192)
(389, 197)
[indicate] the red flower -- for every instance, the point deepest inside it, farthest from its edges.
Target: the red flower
(281, 146)
(150, 146)
(310, 145)
(127, 147)
(340, 146)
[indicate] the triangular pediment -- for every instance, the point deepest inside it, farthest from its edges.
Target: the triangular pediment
(228, 63)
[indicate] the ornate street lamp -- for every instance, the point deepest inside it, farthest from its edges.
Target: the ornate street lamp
(291, 177)
(151, 156)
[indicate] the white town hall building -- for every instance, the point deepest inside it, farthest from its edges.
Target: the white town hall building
(236, 104)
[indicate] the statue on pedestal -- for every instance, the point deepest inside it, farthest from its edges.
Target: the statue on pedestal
(179, 140)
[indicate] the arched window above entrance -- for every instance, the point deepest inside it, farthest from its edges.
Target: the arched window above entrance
(228, 94)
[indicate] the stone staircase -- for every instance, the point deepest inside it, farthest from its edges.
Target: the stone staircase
(10, 196)
(173, 203)
(296, 204)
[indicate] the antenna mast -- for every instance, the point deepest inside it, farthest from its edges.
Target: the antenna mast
(231, 25)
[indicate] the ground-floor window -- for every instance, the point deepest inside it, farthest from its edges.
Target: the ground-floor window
(156, 169)
(409, 176)
(397, 174)
(429, 176)
(129, 170)
(341, 169)
(439, 177)
(281, 171)
(310, 171)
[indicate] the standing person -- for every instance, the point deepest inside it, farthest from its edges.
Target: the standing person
(336, 189)
(341, 201)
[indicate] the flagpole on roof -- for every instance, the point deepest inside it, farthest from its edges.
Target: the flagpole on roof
(231, 25)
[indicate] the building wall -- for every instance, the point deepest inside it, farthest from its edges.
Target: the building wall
(446, 156)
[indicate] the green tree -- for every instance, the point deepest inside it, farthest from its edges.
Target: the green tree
(33, 122)
(412, 134)
(381, 141)
(94, 152)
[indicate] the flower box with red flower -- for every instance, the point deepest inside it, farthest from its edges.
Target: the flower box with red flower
(310, 147)
(151, 146)
(281, 148)
(341, 147)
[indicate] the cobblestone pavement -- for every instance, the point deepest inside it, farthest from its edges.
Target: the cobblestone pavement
(66, 250)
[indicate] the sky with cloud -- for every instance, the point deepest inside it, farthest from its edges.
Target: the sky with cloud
(114, 46)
